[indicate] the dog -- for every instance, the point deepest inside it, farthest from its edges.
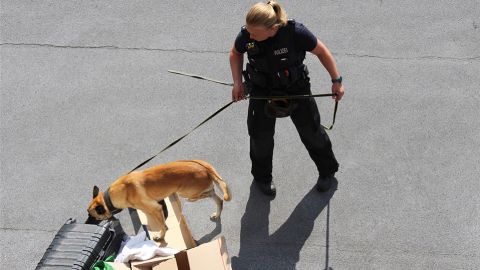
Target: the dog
(191, 179)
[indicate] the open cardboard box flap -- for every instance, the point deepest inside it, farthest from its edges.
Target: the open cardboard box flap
(178, 235)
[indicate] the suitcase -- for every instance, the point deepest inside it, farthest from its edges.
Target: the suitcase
(79, 246)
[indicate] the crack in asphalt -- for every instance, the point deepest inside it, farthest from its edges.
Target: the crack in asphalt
(396, 251)
(26, 230)
(430, 57)
(111, 47)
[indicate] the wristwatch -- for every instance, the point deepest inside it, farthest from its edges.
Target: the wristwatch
(338, 80)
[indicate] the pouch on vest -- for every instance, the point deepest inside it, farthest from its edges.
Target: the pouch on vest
(298, 72)
(255, 77)
(293, 76)
(247, 87)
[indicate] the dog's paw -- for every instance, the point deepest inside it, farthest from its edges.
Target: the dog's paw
(214, 217)
(158, 237)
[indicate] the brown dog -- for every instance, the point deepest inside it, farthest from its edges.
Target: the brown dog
(191, 179)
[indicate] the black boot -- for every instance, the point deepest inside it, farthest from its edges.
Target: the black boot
(267, 187)
(325, 183)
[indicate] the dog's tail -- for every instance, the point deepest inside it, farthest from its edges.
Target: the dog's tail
(216, 178)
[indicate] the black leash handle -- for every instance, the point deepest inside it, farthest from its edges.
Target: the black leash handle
(334, 115)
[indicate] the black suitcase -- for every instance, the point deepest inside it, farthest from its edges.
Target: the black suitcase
(79, 246)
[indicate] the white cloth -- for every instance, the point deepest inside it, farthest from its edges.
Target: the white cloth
(137, 248)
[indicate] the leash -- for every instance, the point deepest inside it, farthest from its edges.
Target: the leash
(199, 77)
(265, 97)
(227, 105)
(303, 97)
(179, 139)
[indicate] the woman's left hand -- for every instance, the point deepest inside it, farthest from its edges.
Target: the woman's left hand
(337, 88)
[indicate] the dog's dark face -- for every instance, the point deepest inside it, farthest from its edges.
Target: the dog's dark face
(97, 211)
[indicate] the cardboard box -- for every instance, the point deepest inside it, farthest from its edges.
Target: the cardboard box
(178, 235)
(210, 256)
(148, 264)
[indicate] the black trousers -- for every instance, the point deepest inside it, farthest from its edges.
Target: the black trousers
(306, 118)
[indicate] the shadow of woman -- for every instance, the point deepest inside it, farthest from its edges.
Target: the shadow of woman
(281, 250)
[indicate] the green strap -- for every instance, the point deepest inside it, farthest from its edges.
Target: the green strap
(103, 265)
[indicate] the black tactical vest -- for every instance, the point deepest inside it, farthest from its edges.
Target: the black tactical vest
(274, 57)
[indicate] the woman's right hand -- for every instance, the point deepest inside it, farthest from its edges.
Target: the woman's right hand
(238, 92)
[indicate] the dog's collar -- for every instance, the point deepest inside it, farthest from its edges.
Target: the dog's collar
(109, 204)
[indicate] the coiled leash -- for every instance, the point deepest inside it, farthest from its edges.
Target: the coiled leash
(230, 103)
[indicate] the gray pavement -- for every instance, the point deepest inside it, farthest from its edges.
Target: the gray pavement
(86, 96)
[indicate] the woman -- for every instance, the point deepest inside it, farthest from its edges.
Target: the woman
(276, 48)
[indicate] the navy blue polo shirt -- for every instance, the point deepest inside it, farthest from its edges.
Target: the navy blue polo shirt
(304, 39)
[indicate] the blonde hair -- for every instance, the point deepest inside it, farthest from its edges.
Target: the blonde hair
(268, 14)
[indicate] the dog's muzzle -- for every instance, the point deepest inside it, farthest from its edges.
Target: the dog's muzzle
(92, 220)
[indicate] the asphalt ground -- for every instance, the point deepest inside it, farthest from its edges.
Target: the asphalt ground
(86, 96)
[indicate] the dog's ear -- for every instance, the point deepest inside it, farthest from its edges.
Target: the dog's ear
(96, 190)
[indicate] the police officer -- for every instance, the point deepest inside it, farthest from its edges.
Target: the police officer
(276, 48)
